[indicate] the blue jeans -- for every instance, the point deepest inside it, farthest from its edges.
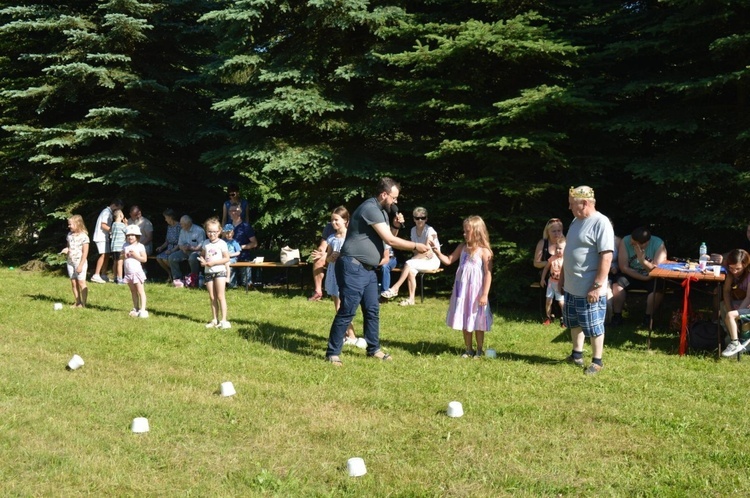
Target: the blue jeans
(386, 272)
(357, 286)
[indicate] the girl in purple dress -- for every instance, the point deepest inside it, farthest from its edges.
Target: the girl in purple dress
(469, 309)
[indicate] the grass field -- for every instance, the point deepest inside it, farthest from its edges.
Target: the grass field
(650, 424)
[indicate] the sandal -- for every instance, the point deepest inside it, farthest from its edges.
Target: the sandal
(406, 302)
(379, 355)
(388, 294)
(335, 361)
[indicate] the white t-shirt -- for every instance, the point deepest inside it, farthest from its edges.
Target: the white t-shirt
(214, 251)
(132, 265)
(105, 217)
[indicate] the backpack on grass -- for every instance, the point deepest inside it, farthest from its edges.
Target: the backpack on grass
(702, 336)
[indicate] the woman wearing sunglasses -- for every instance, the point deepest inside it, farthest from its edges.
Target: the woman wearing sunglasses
(233, 192)
(421, 233)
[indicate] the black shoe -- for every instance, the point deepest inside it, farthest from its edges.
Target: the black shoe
(616, 321)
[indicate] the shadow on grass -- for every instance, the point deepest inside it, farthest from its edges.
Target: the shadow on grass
(161, 313)
(52, 299)
(277, 292)
(633, 337)
(298, 341)
(528, 358)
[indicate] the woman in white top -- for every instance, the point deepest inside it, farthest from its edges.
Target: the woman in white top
(424, 234)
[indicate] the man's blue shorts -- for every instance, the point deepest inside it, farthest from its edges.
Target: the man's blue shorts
(589, 316)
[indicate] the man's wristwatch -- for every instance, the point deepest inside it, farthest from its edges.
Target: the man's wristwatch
(596, 285)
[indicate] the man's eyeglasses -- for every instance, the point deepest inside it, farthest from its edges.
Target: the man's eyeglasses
(420, 218)
(233, 194)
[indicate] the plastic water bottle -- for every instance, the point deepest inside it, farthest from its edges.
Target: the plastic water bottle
(703, 258)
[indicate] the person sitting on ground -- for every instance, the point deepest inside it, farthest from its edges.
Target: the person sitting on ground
(553, 268)
(189, 245)
(245, 237)
(736, 299)
(170, 242)
(553, 231)
(638, 254)
(422, 233)
(233, 191)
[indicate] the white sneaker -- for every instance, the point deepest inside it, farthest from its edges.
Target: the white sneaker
(224, 325)
(350, 341)
(732, 349)
(361, 343)
(97, 279)
(143, 314)
(178, 283)
(133, 312)
(212, 324)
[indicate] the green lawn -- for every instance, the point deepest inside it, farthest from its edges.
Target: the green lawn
(650, 424)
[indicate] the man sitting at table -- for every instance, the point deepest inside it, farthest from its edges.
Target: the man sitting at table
(638, 254)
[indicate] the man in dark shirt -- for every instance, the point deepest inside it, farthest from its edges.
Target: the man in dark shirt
(360, 255)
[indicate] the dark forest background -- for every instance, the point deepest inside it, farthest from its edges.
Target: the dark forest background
(480, 107)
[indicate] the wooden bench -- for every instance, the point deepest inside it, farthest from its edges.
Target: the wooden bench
(271, 265)
(421, 275)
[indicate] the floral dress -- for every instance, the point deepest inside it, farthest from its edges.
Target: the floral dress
(173, 235)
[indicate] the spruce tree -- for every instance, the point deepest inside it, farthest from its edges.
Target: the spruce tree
(98, 102)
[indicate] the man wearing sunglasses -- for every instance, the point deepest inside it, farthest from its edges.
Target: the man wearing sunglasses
(233, 192)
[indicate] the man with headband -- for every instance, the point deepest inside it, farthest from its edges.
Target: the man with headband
(586, 262)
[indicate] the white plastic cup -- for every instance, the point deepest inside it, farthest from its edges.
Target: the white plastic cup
(227, 389)
(75, 362)
(490, 353)
(455, 409)
(139, 425)
(717, 270)
(356, 467)
(57, 306)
